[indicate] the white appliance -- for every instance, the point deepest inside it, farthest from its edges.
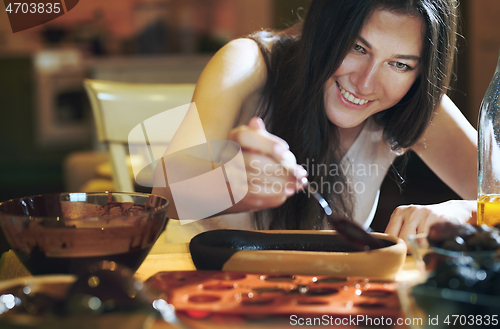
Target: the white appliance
(63, 111)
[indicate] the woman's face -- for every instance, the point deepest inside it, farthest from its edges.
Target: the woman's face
(378, 71)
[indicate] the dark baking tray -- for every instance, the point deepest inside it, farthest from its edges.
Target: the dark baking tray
(212, 249)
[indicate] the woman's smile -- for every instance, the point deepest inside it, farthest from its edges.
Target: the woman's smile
(351, 100)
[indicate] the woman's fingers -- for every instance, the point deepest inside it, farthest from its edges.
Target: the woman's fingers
(409, 220)
(255, 138)
(395, 222)
(257, 123)
(271, 169)
(413, 219)
(269, 184)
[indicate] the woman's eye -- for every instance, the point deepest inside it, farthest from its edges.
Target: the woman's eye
(402, 66)
(358, 48)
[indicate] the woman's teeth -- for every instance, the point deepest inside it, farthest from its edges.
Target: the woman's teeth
(351, 98)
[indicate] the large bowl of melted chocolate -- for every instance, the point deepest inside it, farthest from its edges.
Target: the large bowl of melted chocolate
(66, 232)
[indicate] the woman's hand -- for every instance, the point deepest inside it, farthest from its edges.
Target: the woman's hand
(266, 155)
(408, 220)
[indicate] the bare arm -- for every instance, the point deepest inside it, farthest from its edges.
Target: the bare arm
(232, 81)
(449, 148)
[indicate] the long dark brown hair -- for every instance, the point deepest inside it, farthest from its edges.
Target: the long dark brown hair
(300, 63)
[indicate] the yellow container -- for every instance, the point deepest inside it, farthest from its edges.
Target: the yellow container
(488, 210)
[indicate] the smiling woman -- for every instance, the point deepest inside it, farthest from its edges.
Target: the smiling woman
(358, 82)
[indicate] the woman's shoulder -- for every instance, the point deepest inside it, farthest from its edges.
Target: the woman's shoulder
(241, 54)
(241, 46)
(240, 64)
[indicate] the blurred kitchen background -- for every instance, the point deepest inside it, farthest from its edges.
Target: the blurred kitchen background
(45, 115)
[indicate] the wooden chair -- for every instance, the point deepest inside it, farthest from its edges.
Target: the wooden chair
(119, 108)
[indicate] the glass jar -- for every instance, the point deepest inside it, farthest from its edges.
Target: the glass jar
(488, 191)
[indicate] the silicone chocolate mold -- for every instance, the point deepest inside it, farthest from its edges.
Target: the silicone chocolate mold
(204, 293)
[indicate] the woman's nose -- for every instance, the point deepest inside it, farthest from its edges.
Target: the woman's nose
(366, 78)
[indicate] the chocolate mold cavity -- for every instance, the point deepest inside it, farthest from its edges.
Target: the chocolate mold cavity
(332, 280)
(321, 291)
(269, 290)
(311, 302)
(377, 293)
(203, 298)
(278, 278)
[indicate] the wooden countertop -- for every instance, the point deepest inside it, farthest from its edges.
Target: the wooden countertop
(176, 257)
